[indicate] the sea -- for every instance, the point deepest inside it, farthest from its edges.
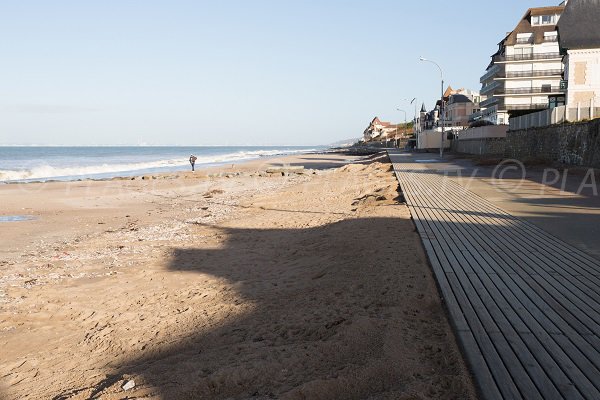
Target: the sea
(33, 163)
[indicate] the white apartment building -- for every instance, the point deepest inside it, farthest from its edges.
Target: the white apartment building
(525, 73)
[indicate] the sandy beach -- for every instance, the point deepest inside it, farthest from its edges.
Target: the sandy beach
(259, 280)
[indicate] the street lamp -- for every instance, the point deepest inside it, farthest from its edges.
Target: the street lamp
(442, 104)
(404, 119)
(415, 129)
(414, 100)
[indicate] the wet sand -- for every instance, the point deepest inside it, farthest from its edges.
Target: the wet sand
(231, 282)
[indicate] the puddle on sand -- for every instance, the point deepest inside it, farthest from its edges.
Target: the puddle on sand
(16, 218)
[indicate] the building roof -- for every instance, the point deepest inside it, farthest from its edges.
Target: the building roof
(524, 26)
(545, 10)
(377, 121)
(449, 91)
(578, 26)
(423, 109)
(459, 98)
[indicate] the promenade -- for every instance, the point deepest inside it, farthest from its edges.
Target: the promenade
(524, 304)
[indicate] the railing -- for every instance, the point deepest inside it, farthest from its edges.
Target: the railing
(490, 87)
(525, 40)
(531, 56)
(476, 116)
(531, 74)
(491, 72)
(551, 38)
(489, 111)
(530, 90)
(514, 107)
(542, 118)
(489, 102)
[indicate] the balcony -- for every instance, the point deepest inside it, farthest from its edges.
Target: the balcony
(490, 88)
(531, 74)
(476, 116)
(489, 102)
(525, 57)
(490, 73)
(529, 90)
(517, 107)
(527, 40)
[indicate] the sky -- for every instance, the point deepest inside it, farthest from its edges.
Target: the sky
(225, 72)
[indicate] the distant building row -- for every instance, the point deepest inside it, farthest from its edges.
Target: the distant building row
(550, 59)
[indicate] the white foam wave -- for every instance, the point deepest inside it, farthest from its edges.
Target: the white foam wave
(48, 171)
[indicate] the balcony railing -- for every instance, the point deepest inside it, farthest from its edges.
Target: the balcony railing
(529, 90)
(530, 56)
(531, 74)
(517, 107)
(551, 38)
(525, 40)
(475, 116)
(489, 102)
(489, 88)
(491, 72)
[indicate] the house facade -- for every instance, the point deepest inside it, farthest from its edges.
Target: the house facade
(579, 40)
(375, 130)
(460, 107)
(525, 73)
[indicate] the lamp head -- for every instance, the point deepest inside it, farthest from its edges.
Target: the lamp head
(422, 58)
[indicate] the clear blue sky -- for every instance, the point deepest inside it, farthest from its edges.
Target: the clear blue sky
(232, 72)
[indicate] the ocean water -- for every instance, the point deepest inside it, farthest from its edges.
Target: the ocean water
(22, 164)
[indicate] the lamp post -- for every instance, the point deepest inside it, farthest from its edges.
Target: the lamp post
(442, 104)
(404, 119)
(415, 120)
(415, 129)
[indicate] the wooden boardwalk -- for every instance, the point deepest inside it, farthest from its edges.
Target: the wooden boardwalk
(524, 305)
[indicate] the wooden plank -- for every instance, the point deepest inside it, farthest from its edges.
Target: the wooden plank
(517, 333)
(562, 382)
(569, 293)
(541, 236)
(522, 294)
(573, 293)
(471, 347)
(494, 351)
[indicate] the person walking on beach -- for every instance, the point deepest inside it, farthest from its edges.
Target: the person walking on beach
(193, 161)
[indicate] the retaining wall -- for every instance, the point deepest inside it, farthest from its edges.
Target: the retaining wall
(571, 143)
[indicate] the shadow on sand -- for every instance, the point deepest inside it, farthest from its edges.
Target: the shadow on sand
(346, 310)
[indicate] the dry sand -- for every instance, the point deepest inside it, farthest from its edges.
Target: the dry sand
(305, 286)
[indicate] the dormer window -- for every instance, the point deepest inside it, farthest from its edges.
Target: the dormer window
(551, 36)
(544, 19)
(523, 38)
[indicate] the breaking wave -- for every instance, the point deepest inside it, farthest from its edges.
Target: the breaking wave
(45, 172)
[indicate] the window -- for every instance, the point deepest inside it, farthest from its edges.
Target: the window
(523, 53)
(556, 101)
(546, 88)
(524, 37)
(551, 36)
(544, 19)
